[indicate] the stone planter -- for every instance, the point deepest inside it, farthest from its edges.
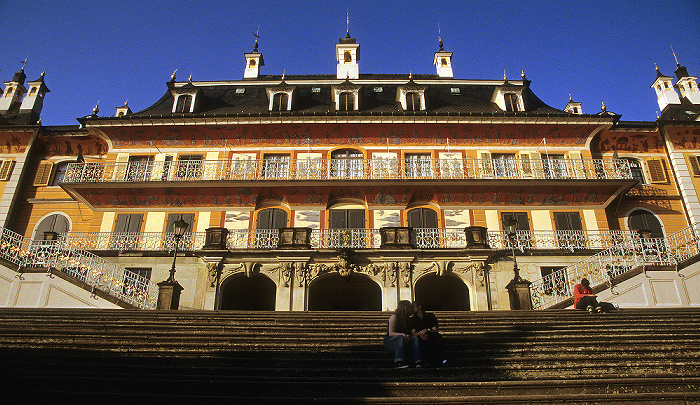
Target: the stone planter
(476, 237)
(395, 237)
(215, 239)
(294, 238)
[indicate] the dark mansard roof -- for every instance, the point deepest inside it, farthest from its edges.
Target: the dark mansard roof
(312, 95)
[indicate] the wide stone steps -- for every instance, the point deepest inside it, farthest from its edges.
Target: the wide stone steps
(557, 356)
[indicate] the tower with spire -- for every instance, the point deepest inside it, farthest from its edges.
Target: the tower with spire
(443, 60)
(665, 93)
(347, 53)
(34, 100)
(14, 90)
(687, 85)
(253, 61)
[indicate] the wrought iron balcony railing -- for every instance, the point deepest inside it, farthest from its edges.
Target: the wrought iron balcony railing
(87, 267)
(623, 256)
(343, 169)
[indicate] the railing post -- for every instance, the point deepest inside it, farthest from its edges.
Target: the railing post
(395, 237)
(519, 294)
(215, 239)
(476, 237)
(169, 295)
(294, 238)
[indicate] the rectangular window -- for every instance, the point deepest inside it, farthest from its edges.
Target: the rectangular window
(523, 237)
(139, 168)
(505, 165)
(419, 165)
(189, 167)
(657, 170)
(127, 232)
(276, 166)
(512, 102)
(694, 165)
(569, 230)
(136, 280)
(6, 169)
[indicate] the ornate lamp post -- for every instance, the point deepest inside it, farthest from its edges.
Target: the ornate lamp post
(511, 228)
(180, 226)
(518, 289)
(169, 290)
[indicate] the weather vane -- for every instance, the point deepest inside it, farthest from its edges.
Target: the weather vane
(256, 34)
(24, 63)
(674, 55)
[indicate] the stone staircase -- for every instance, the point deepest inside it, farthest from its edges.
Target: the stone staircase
(506, 357)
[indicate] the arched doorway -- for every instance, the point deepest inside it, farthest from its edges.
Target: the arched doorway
(336, 293)
(442, 293)
(254, 293)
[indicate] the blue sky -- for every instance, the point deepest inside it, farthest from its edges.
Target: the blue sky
(113, 51)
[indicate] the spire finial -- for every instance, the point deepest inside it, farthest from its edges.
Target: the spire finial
(256, 34)
(126, 103)
(440, 39)
(522, 73)
(284, 72)
(570, 99)
(190, 78)
(24, 63)
(674, 55)
(656, 66)
(505, 78)
(603, 107)
(347, 24)
(97, 108)
(43, 73)
(410, 75)
(658, 117)
(173, 76)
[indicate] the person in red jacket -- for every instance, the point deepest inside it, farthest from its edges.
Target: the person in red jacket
(584, 297)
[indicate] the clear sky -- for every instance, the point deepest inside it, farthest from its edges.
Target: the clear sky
(111, 51)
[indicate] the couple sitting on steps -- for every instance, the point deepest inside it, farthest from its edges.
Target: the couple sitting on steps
(411, 327)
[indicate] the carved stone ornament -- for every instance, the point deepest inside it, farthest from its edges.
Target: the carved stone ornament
(476, 268)
(405, 271)
(251, 268)
(302, 273)
(285, 269)
(376, 270)
(392, 274)
(344, 267)
(213, 273)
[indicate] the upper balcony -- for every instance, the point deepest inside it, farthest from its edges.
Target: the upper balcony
(348, 169)
(104, 186)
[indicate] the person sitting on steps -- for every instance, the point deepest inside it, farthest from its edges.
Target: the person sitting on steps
(584, 297)
(398, 335)
(424, 325)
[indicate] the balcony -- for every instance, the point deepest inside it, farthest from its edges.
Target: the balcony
(348, 169)
(423, 238)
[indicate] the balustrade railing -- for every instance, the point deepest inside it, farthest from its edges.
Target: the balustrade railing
(338, 169)
(87, 267)
(623, 256)
(566, 240)
(436, 238)
(125, 241)
(345, 238)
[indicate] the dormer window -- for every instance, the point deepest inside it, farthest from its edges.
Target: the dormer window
(33, 91)
(280, 102)
(252, 63)
(184, 104)
(413, 102)
(280, 98)
(346, 101)
(512, 102)
(345, 96)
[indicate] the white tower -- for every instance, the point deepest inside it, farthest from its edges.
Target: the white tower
(253, 61)
(347, 53)
(687, 85)
(14, 90)
(665, 93)
(443, 62)
(34, 100)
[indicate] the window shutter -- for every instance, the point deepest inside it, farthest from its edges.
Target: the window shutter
(170, 225)
(356, 219)
(694, 165)
(43, 173)
(657, 170)
(279, 218)
(6, 169)
(264, 219)
(336, 219)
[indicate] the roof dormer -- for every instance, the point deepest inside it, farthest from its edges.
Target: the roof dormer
(346, 96)
(123, 110)
(14, 90)
(508, 97)
(34, 100)
(573, 107)
(411, 96)
(280, 97)
(184, 97)
(687, 85)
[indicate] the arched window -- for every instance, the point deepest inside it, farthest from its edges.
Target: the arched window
(346, 225)
(184, 104)
(444, 62)
(33, 91)
(347, 164)
(57, 223)
(252, 63)
(271, 218)
(413, 101)
(9, 91)
(643, 220)
(347, 57)
(280, 102)
(512, 103)
(422, 218)
(346, 101)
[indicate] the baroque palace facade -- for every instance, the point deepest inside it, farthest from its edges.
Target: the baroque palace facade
(349, 192)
